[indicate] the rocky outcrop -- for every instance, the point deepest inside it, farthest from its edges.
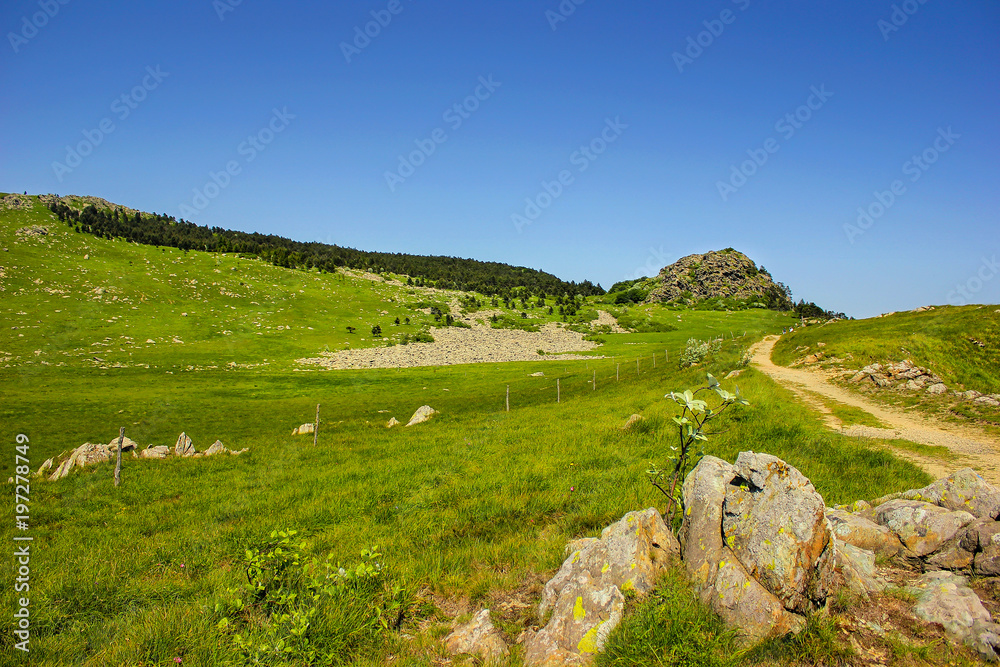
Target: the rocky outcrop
(184, 446)
(726, 273)
(478, 637)
(857, 569)
(861, 532)
(944, 597)
(423, 413)
(964, 490)
(721, 580)
(920, 526)
(903, 374)
(392, 422)
(775, 523)
(586, 597)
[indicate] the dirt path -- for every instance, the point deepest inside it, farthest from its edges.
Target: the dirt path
(973, 448)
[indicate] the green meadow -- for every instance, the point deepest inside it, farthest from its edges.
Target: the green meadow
(471, 509)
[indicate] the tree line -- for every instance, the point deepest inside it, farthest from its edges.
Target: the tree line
(490, 278)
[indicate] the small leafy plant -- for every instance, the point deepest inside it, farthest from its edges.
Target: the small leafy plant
(691, 434)
(301, 609)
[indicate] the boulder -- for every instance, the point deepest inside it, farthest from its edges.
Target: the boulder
(988, 401)
(775, 523)
(62, 470)
(478, 637)
(184, 446)
(920, 526)
(733, 374)
(720, 579)
(944, 597)
(937, 388)
(861, 532)
(982, 539)
(89, 453)
(392, 422)
(423, 413)
(964, 490)
(632, 421)
(216, 448)
(45, 467)
(539, 374)
(151, 452)
(857, 567)
(305, 429)
(586, 594)
(128, 445)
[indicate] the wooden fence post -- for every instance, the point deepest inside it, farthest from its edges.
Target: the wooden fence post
(316, 426)
(618, 372)
(636, 366)
(508, 398)
(595, 381)
(118, 466)
(558, 392)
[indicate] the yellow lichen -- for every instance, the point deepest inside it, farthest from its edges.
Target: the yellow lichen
(588, 643)
(579, 613)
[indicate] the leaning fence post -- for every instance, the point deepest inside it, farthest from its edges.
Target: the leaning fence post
(118, 466)
(316, 426)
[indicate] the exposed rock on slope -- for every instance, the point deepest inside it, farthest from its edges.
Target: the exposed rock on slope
(726, 273)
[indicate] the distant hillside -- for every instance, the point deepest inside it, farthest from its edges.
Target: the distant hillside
(718, 279)
(92, 215)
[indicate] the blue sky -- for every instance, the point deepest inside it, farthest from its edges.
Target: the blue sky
(609, 138)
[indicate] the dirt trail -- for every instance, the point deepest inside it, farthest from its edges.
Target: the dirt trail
(973, 448)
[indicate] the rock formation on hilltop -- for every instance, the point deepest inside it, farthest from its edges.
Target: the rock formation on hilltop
(727, 273)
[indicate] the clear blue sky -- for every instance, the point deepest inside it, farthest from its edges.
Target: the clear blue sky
(673, 129)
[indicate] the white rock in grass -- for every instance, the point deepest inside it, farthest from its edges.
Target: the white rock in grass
(423, 413)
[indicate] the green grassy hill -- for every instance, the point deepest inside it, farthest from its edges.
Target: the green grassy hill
(472, 508)
(959, 344)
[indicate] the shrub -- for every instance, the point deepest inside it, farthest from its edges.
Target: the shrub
(300, 609)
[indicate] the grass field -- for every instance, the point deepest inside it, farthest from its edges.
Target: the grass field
(474, 506)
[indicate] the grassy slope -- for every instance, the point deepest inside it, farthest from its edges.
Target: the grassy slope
(941, 340)
(475, 502)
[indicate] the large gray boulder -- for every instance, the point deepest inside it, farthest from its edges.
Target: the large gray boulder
(775, 523)
(964, 490)
(128, 445)
(586, 596)
(921, 527)
(720, 579)
(863, 533)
